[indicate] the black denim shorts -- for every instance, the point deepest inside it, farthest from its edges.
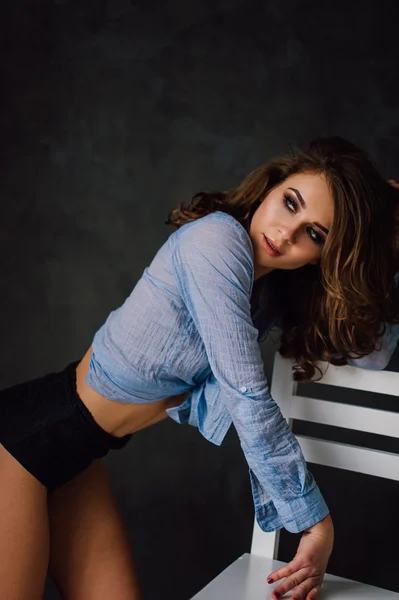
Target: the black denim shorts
(46, 427)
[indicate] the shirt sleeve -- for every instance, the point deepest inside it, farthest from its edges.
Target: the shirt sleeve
(213, 262)
(379, 359)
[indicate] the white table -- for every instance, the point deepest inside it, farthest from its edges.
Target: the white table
(245, 579)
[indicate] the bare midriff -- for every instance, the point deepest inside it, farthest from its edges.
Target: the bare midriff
(120, 418)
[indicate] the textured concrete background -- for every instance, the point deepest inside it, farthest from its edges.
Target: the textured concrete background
(112, 113)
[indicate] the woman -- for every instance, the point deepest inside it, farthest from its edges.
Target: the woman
(307, 241)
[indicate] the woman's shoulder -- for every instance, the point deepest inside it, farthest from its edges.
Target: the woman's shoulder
(216, 243)
(216, 229)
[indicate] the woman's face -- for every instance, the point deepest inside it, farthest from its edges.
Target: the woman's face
(289, 228)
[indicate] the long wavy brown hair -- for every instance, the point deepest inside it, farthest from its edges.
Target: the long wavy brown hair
(335, 310)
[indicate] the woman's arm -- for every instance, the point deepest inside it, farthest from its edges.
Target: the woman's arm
(379, 359)
(213, 264)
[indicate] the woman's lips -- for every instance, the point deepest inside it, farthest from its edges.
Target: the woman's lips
(271, 248)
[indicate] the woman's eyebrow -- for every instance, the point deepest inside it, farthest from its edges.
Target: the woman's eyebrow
(303, 204)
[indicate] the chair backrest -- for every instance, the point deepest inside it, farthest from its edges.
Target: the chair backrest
(335, 454)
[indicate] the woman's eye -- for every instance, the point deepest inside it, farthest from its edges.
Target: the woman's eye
(315, 236)
(290, 203)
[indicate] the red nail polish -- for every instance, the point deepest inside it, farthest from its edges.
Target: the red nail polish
(276, 594)
(270, 580)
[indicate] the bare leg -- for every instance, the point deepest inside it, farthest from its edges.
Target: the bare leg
(24, 537)
(90, 556)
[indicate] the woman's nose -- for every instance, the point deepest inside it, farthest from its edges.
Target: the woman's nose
(287, 234)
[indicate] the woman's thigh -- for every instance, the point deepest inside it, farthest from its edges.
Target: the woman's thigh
(24, 535)
(90, 556)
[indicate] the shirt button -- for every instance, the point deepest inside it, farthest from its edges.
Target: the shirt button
(243, 389)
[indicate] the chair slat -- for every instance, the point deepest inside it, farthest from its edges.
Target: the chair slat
(351, 458)
(359, 418)
(379, 382)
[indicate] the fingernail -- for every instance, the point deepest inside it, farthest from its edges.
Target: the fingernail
(276, 595)
(270, 580)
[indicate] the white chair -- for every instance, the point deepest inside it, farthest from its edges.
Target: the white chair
(245, 578)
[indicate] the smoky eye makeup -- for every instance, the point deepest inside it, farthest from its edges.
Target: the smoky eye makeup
(290, 203)
(315, 236)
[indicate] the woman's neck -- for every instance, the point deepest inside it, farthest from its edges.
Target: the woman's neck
(260, 271)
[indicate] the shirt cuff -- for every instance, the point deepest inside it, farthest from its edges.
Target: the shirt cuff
(303, 512)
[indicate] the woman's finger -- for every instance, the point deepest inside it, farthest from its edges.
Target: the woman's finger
(306, 591)
(294, 581)
(286, 571)
(302, 583)
(314, 593)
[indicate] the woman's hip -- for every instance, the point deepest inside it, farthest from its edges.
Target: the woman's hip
(47, 428)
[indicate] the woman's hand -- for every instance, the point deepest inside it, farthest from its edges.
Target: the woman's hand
(394, 183)
(306, 571)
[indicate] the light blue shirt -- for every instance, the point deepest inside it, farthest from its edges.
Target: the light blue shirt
(187, 325)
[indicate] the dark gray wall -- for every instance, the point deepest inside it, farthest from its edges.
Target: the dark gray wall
(115, 111)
